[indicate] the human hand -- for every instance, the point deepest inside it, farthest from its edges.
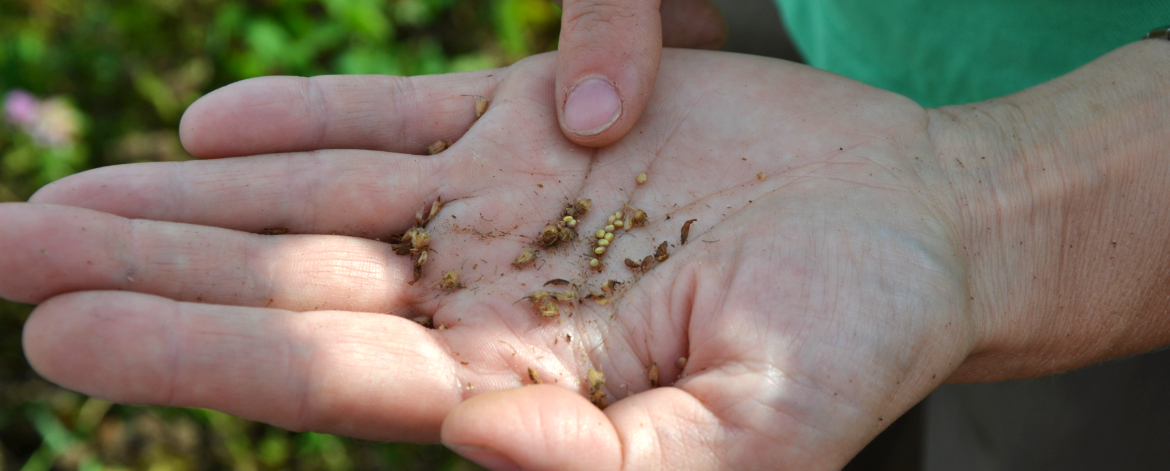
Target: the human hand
(820, 294)
(608, 54)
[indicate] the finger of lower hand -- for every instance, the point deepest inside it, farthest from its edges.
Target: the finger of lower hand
(359, 193)
(51, 249)
(376, 112)
(363, 375)
(606, 66)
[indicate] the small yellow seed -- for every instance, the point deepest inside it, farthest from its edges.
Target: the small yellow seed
(608, 236)
(594, 263)
(609, 228)
(603, 242)
(760, 176)
(618, 223)
(617, 215)
(611, 219)
(572, 223)
(599, 250)
(600, 234)
(568, 218)
(641, 178)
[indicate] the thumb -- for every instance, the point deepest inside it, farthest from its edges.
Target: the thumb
(540, 427)
(606, 66)
(545, 427)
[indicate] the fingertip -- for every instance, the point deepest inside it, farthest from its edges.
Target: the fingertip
(540, 427)
(68, 341)
(606, 66)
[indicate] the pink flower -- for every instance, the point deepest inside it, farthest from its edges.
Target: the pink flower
(21, 108)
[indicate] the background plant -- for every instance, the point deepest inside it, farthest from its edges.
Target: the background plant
(88, 83)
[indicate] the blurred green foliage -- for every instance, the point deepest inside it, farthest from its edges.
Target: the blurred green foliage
(108, 82)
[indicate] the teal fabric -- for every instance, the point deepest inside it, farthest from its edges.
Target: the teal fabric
(942, 52)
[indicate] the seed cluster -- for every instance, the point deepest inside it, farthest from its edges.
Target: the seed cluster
(559, 231)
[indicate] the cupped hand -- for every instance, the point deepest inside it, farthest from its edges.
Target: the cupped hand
(608, 58)
(819, 294)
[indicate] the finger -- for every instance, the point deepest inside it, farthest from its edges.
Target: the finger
(663, 428)
(606, 66)
(288, 114)
(535, 428)
(358, 193)
(49, 250)
(363, 375)
(692, 24)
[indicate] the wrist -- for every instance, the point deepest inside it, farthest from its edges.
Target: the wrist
(1065, 215)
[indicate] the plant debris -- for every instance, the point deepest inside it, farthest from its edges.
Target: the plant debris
(606, 293)
(527, 256)
(534, 376)
(681, 362)
(545, 302)
(652, 375)
(450, 281)
(596, 382)
(557, 282)
(421, 220)
(425, 321)
(415, 241)
(274, 230)
(579, 208)
(760, 176)
(661, 253)
(686, 231)
(481, 105)
(438, 146)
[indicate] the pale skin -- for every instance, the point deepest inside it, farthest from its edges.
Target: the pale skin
(617, 45)
(887, 250)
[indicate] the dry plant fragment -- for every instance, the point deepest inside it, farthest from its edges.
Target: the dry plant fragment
(423, 217)
(274, 230)
(686, 231)
(557, 282)
(681, 362)
(424, 321)
(481, 105)
(555, 233)
(638, 219)
(526, 258)
(549, 309)
(596, 382)
(632, 264)
(437, 147)
(450, 281)
(647, 263)
(660, 253)
(532, 375)
(546, 302)
(652, 375)
(579, 208)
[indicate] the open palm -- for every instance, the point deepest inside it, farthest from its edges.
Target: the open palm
(818, 297)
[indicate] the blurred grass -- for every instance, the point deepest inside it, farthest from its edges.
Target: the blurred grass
(111, 79)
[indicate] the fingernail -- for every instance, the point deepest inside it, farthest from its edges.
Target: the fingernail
(486, 457)
(592, 107)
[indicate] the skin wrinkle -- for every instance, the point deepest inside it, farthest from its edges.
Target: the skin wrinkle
(315, 104)
(303, 418)
(176, 318)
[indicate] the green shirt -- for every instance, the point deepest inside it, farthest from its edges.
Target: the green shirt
(940, 52)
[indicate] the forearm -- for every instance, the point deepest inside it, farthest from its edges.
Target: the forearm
(1064, 200)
